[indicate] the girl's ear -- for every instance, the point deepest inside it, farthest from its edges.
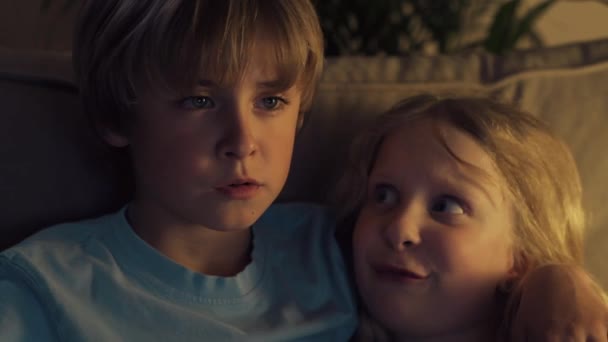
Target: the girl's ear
(517, 266)
(513, 274)
(507, 284)
(516, 269)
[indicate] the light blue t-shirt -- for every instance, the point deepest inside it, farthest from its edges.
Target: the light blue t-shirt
(96, 280)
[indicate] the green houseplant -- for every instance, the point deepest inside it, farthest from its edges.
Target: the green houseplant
(397, 27)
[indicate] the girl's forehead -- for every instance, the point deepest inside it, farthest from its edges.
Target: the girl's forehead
(437, 144)
(431, 154)
(444, 138)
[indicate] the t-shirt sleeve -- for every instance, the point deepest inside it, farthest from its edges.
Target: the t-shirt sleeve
(22, 317)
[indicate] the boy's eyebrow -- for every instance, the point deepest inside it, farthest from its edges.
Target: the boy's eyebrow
(273, 84)
(206, 83)
(270, 84)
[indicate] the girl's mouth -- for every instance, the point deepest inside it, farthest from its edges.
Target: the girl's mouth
(399, 274)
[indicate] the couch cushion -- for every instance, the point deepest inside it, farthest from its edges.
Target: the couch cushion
(54, 168)
(566, 86)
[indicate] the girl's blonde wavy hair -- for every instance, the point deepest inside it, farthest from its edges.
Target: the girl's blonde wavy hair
(538, 170)
(539, 174)
(124, 46)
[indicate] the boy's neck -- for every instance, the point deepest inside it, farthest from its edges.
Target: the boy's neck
(479, 333)
(199, 249)
(451, 338)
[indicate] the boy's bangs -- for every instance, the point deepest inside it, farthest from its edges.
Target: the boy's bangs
(217, 40)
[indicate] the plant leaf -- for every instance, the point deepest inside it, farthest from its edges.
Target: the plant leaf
(527, 22)
(535, 39)
(502, 27)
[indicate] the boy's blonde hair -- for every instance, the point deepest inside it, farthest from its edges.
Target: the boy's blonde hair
(538, 171)
(123, 46)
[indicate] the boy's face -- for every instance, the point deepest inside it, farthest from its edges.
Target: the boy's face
(216, 157)
(432, 241)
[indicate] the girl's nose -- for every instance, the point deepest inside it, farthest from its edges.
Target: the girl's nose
(404, 228)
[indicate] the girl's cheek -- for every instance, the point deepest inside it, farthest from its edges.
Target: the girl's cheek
(443, 249)
(364, 233)
(358, 240)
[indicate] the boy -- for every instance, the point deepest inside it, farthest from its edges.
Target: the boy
(210, 152)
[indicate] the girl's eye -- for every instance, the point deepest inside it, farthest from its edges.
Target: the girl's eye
(197, 102)
(272, 102)
(447, 205)
(385, 195)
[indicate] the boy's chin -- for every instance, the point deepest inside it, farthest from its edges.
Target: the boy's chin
(232, 227)
(233, 219)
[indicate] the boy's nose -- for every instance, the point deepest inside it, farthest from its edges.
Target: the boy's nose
(239, 141)
(403, 230)
(239, 150)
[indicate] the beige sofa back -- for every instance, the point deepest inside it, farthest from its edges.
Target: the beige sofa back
(54, 168)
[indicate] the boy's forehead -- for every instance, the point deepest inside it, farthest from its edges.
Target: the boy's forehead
(261, 58)
(260, 69)
(256, 67)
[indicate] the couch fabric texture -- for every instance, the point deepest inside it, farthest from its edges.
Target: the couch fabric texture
(54, 168)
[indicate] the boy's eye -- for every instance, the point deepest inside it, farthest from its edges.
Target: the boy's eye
(447, 205)
(197, 102)
(272, 102)
(385, 195)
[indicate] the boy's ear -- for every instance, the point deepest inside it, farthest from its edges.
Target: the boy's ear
(112, 136)
(300, 121)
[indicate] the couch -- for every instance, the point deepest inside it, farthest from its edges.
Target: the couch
(54, 168)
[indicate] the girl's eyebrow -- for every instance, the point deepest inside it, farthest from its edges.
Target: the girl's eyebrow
(474, 183)
(452, 181)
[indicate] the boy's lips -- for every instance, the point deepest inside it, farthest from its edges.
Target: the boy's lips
(241, 188)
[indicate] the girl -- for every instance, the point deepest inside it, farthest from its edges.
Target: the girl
(459, 199)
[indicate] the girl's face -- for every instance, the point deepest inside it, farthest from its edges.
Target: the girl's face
(432, 240)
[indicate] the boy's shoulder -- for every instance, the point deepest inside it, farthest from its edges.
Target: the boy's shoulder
(61, 240)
